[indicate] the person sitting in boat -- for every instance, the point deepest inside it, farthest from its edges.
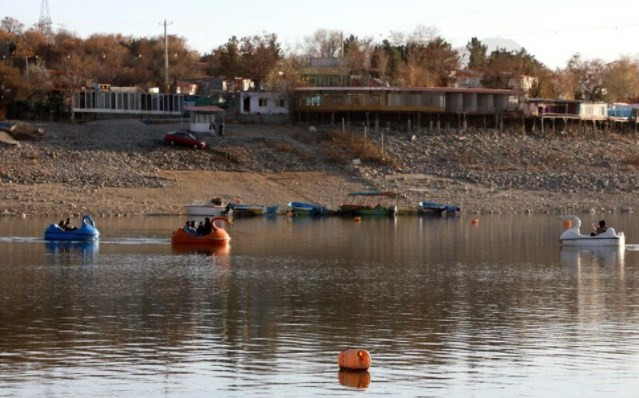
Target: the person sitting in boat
(200, 228)
(600, 229)
(61, 224)
(189, 227)
(208, 227)
(68, 227)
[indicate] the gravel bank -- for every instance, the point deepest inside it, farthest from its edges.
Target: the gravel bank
(121, 167)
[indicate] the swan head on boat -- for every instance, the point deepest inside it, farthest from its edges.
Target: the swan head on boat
(575, 222)
(225, 219)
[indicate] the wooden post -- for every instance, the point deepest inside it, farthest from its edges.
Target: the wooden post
(333, 119)
(376, 123)
(343, 126)
(367, 125)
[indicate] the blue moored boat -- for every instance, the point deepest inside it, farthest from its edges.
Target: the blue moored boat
(438, 209)
(309, 209)
(86, 232)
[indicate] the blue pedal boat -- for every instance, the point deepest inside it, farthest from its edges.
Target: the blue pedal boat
(86, 232)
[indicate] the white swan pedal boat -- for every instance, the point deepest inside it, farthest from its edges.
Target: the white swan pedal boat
(572, 236)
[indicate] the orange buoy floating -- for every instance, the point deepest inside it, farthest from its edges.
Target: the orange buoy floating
(567, 224)
(357, 219)
(354, 359)
(354, 379)
(474, 221)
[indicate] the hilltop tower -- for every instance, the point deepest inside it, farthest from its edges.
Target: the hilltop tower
(45, 23)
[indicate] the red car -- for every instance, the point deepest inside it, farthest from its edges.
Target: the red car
(184, 138)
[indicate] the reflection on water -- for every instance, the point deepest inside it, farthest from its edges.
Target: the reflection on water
(604, 256)
(224, 250)
(444, 308)
(354, 379)
(70, 253)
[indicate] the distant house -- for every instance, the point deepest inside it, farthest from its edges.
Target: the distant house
(467, 78)
(259, 102)
(107, 99)
(522, 83)
(183, 87)
(568, 109)
(206, 119)
(327, 72)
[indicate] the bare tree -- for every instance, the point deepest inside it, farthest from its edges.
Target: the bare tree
(324, 43)
(12, 25)
(621, 80)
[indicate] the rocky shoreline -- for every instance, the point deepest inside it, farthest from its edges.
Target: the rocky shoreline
(122, 167)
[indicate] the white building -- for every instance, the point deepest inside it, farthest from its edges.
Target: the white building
(206, 119)
(267, 103)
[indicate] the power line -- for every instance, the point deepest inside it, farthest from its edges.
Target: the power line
(556, 31)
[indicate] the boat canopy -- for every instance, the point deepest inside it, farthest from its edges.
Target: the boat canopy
(387, 194)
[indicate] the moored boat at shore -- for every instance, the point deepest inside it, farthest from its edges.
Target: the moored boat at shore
(206, 209)
(370, 203)
(426, 207)
(240, 210)
(307, 209)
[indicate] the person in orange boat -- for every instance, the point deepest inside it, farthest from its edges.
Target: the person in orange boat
(208, 227)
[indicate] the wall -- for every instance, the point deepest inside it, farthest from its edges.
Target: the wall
(263, 103)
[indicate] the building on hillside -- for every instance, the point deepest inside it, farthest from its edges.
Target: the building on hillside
(620, 111)
(106, 99)
(206, 119)
(522, 83)
(410, 106)
(183, 87)
(466, 78)
(399, 99)
(262, 102)
(327, 72)
(593, 111)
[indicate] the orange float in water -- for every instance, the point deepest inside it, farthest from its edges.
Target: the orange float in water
(567, 224)
(355, 359)
(217, 237)
(354, 379)
(475, 221)
(357, 219)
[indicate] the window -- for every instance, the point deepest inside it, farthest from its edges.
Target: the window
(263, 102)
(313, 100)
(282, 103)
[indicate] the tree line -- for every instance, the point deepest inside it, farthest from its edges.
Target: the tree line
(34, 63)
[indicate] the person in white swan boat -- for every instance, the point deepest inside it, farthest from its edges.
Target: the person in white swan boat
(600, 229)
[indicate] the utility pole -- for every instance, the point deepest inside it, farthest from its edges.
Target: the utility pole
(166, 57)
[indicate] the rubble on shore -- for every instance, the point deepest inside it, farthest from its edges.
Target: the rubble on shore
(481, 170)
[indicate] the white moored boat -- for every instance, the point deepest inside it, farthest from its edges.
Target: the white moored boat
(205, 209)
(572, 236)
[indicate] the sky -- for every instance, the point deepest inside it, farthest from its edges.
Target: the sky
(551, 30)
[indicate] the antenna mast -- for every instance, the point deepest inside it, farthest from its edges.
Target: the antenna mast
(44, 23)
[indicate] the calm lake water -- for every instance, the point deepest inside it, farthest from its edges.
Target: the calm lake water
(445, 308)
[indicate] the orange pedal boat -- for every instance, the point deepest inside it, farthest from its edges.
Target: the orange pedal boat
(217, 237)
